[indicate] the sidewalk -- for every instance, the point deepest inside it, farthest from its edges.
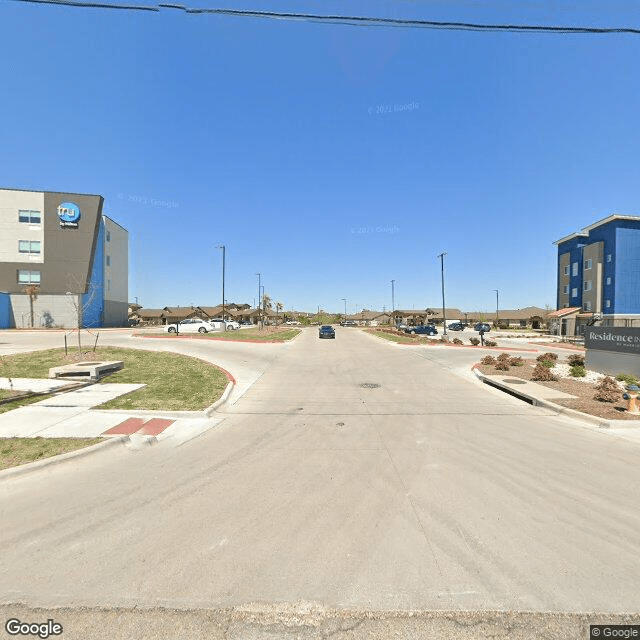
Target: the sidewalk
(71, 415)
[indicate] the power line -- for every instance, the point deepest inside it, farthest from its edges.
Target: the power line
(350, 20)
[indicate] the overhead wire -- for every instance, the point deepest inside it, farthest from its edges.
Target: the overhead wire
(368, 21)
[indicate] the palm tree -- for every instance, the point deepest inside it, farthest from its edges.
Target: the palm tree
(279, 307)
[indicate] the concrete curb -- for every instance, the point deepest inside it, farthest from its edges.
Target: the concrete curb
(28, 467)
(209, 411)
(601, 423)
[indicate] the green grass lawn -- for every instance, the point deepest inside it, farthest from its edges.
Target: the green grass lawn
(251, 335)
(397, 337)
(174, 382)
(16, 451)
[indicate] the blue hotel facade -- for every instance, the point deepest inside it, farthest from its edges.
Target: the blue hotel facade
(64, 249)
(599, 273)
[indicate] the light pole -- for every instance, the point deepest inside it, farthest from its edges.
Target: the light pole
(444, 317)
(497, 306)
(259, 305)
(345, 307)
(221, 246)
(393, 302)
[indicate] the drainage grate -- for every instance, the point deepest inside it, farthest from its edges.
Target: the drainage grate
(370, 385)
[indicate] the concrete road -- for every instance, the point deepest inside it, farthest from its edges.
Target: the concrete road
(352, 474)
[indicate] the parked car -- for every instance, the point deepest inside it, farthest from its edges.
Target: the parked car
(326, 331)
(457, 326)
(191, 325)
(482, 326)
(227, 325)
(294, 323)
(348, 323)
(427, 329)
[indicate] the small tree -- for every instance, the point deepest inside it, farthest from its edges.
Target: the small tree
(32, 291)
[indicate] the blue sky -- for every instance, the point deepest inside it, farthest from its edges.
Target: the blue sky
(329, 158)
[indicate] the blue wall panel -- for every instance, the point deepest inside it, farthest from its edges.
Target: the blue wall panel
(627, 271)
(5, 311)
(93, 300)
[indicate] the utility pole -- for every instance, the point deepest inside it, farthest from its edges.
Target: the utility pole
(221, 246)
(259, 305)
(345, 307)
(444, 317)
(393, 303)
(497, 306)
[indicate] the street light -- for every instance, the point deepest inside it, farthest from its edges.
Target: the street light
(345, 307)
(444, 317)
(497, 305)
(393, 302)
(259, 305)
(221, 246)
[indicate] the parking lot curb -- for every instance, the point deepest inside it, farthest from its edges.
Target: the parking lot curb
(28, 467)
(601, 423)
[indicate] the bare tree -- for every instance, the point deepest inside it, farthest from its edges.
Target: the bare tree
(81, 307)
(32, 291)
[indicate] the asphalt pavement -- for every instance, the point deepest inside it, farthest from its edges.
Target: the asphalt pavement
(349, 479)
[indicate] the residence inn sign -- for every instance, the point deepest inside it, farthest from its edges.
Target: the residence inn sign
(618, 339)
(613, 350)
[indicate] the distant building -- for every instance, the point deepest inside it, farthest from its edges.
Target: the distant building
(599, 275)
(71, 257)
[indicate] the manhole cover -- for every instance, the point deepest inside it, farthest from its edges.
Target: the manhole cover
(369, 385)
(514, 381)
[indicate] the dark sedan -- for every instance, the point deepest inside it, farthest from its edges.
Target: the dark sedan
(427, 329)
(457, 326)
(326, 331)
(482, 326)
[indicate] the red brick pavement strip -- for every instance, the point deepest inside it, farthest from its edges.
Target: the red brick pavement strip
(126, 428)
(172, 337)
(558, 345)
(155, 426)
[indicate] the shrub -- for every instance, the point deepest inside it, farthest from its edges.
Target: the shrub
(607, 390)
(474, 341)
(627, 378)
(516, 361)
(501, 365)
(578, 371)
(457, 341)
(547, 356)
(488, 360)
(547, 363)
(503, 357)
(490, 343)
(541, 373)
(576, 359)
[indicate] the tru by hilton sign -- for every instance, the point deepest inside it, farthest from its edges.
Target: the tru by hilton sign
(616, 339)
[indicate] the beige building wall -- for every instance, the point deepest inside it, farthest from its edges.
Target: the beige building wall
(12, 230)
(592, 297)
(564, 281)
(116, 274)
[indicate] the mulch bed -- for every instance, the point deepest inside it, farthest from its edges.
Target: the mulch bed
(584, 392)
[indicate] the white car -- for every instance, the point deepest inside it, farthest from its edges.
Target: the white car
(191, 325)
(294, 323)
(227, 325)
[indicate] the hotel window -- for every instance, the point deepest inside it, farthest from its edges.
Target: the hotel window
(574, 292)
(587, 285)
(587, 264)
(566, 269)
(28, 277)
(565, 289)
(575, 269)
(108, 261)
(607, 303)
(29, 246)
(608, 280)
(108, 285)
(587, 306)
(27, 215)
(108, 236)
(608, 257)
